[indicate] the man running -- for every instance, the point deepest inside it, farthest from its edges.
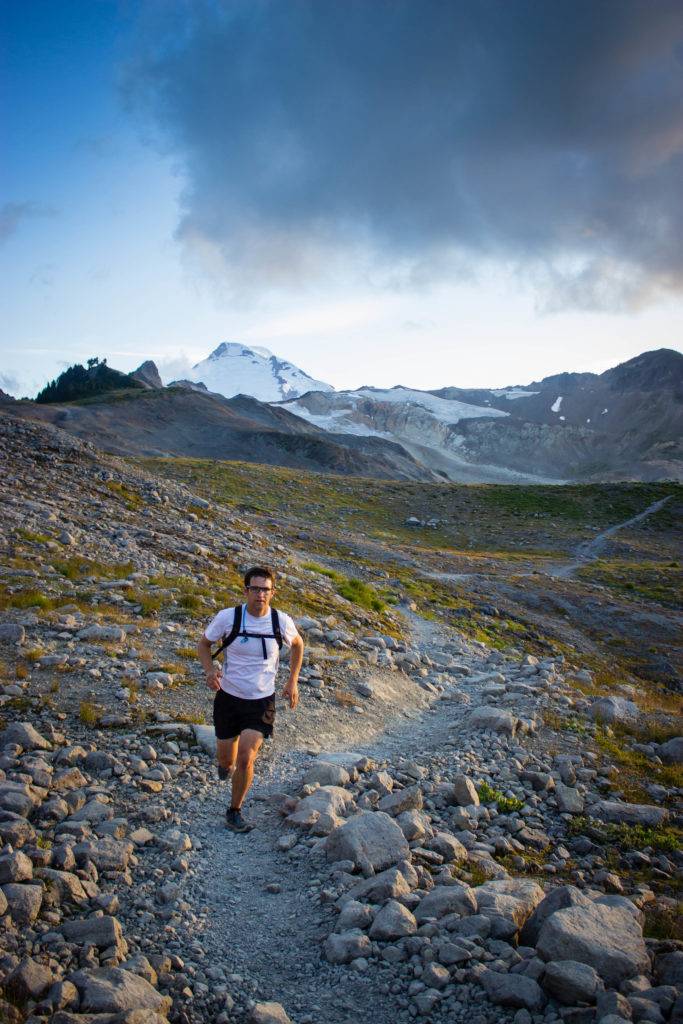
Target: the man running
(244, 705)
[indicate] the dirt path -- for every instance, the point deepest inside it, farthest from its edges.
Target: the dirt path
(273, 939)
(590, 549)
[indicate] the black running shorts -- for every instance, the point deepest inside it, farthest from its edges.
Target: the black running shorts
(232, 715)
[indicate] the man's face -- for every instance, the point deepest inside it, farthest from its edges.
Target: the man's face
(259, 594)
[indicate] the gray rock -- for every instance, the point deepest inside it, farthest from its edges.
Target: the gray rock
(513, 990)
(607, 938)
(353, 915)
(12, 633)
(174, 841)
(15, 867)
(465, 791)
(28, 980)
(205, 737)
(409, 799)
(671, 752)
(669, 968)
(494, 719)
(24, 902)
(448, 847)
(571, 982)
(447, 899)
(269, 1013)
(347, 946)
(508, 903)
(106, 633)
(372, 840)
(68, 885)
(569, 800)
(390, 884)
(325, 774)
(557, 899)
(646, 1010)
(102, 932)
(325, 808)
(615, 709)
(112, 990)
(394, 921)
(612, 1003)
(107, 854)
(25, 735)
(617, 813)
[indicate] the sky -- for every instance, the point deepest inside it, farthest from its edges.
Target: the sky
(420, 192)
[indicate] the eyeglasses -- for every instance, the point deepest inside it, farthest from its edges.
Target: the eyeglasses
(260, 590)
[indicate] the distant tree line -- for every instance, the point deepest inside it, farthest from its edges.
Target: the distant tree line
(81, 382)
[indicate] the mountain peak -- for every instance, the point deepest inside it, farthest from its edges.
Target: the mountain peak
(233, 368)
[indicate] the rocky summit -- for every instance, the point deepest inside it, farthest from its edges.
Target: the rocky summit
(473, 816)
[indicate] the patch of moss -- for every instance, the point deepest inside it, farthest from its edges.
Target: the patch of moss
(505, 804)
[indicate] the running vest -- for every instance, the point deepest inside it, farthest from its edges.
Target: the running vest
(238, 631)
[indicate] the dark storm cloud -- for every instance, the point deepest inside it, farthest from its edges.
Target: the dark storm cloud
(432, 134)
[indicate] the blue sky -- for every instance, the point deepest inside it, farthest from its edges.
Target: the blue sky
(382, 191)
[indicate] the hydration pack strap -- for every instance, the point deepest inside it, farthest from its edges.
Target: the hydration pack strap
(237, 630)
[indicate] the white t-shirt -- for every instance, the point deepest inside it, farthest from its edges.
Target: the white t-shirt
(246, 673)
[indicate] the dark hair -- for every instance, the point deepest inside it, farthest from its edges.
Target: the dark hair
(259, 570)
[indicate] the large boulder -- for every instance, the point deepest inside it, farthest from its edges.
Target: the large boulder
(25, 735)
(605, 937)
(447, 899)
(571, 982)
(370, 839)
(671, 752)
(394, 921)
(615, 710)
(557, 899)
(494, 719)
(514, 990)
(617, 813)
(400, 800)
(347, 946)
(323, 811)
(391, 884)
(101, 932)
(508, 903)
(24, 902)
(324, 773)
(113, 990)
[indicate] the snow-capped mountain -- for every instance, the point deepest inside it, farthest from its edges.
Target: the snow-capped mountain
(234, 369)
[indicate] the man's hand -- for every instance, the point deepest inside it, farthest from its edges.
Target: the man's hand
(291, 690)
(213, 678)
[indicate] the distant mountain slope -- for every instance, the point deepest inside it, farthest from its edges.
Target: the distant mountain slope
(626, 423)
(183, 422)
(234, 369)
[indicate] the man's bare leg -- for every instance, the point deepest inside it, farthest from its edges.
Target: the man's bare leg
(226, 753)
(249, 745)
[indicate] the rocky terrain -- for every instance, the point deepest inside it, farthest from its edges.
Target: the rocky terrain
(473, 815)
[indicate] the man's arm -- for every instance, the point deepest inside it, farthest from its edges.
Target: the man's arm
(296, 657)
(211, 671)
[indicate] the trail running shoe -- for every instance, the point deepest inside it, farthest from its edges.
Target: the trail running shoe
(235, 821)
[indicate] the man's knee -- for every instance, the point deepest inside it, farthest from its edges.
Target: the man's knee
(246, 758)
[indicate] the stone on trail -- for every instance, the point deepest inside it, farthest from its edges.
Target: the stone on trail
(105, 633)
(508, 903)
(28, 980)
(571, 982)
(464, 791)
(326, 774)
(347, 946)
(269, 1013)
(569, 800)
(391, 884)
(607, 938)
(401, 800)
(615, 709)
(24, 902)
(513, 990)
(447, 899)
(25, 735)
(557, 899)
(12, 633)
(494, 719)
(371, 839)
(205, 737)
(101, 932)
(323, 810)
(448, 847)
(394, 921)
(113, 990)
(671, 752)
(616, 813)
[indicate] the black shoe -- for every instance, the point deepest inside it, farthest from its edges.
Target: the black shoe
(235, 821)
(223, 773)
